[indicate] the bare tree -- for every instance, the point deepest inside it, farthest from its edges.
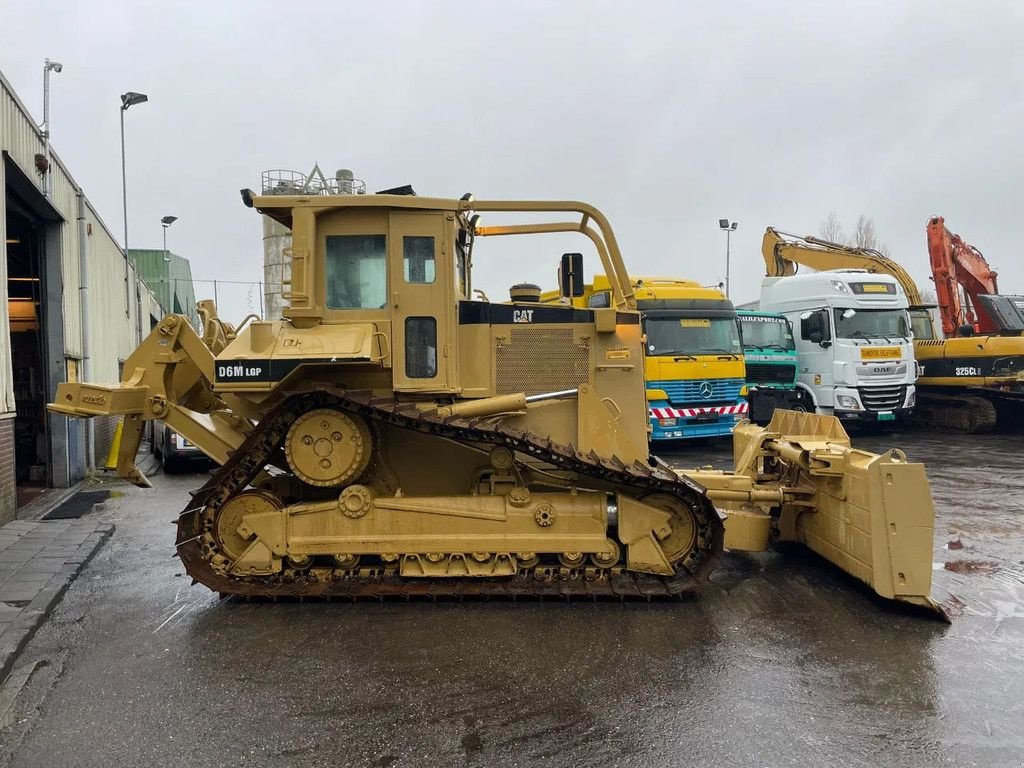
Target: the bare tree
(865, 235)
(831, 229)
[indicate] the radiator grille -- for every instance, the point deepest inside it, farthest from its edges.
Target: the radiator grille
(767, 373)
(536, 360)
(688, 392)
(883, 398)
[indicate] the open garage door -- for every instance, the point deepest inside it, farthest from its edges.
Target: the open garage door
(42, 450)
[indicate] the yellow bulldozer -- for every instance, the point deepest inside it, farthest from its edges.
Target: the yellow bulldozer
(393, 436)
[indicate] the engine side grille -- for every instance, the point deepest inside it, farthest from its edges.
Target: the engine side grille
(883, 398)
(766, 373)
(722, 391)
(536, 360)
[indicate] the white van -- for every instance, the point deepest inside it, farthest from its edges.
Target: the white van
(853, 339)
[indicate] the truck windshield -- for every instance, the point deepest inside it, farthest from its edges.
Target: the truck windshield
(685, 336)
(762, 332)
(872, 323)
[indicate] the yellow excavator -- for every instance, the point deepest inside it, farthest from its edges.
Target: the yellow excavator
(393, 436)
(966, 384)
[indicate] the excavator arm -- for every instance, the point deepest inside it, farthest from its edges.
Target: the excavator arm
(784, 254)
(955, 265)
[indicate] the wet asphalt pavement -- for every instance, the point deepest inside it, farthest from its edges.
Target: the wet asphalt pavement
(780, 661)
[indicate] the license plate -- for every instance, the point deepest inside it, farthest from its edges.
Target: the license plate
(887, 417)
(878, 353)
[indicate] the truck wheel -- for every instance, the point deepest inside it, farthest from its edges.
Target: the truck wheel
(801, 405)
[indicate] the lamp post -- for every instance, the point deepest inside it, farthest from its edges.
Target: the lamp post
(729, 227)
(128, 99)
(48, 67)
(165, 222)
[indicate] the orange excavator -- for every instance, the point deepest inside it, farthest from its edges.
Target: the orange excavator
(980, 362)
(967, 288)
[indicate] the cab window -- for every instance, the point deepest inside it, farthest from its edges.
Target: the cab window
(814, 326)
(356, 271)
(420, 347)
(921, 324)
(418, 259)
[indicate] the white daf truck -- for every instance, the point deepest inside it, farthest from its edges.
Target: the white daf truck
(853, 340)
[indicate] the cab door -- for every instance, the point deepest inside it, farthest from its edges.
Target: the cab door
(815, 353)
(422, 301)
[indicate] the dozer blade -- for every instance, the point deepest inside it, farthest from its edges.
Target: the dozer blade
(869, 514)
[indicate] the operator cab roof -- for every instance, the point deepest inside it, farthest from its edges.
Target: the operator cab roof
(279, 207)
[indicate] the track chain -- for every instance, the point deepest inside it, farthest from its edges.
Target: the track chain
(195, 523)
(954, 413)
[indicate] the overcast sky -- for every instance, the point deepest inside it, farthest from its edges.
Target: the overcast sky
(666, 117)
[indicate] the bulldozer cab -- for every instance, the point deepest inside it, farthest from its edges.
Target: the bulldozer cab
(394, 270)
(383, 284)
(389, 274)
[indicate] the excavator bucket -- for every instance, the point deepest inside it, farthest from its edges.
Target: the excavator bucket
(869, 514)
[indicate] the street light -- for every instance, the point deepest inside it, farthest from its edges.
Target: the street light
(165, 222)
(129, 99)
(48, 67)
(729, 228)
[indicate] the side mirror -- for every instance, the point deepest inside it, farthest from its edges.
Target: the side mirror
(825, 344)
(848, 313)
(570, 275)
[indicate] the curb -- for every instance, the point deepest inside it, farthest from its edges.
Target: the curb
(101, 478)
(41, 507)
(16, 637)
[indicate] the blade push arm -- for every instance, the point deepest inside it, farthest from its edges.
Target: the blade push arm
(168, 377)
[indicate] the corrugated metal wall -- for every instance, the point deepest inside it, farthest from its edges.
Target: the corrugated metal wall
(112, 335)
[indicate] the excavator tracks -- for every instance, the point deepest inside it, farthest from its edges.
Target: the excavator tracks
(197, 546)
(956, 413)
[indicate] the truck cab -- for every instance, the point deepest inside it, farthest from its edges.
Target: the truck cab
(853, 337)
(693, 362)
(771, 361)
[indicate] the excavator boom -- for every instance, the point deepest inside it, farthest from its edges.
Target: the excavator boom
(784, 254)
(958, 265)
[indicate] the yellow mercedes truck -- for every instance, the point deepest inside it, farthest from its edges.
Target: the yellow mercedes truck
(694, 365)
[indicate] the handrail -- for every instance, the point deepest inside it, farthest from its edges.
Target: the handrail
(611, 257)
(281, 208)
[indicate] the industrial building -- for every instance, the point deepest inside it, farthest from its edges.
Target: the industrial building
(74, 307)
(169, 276)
